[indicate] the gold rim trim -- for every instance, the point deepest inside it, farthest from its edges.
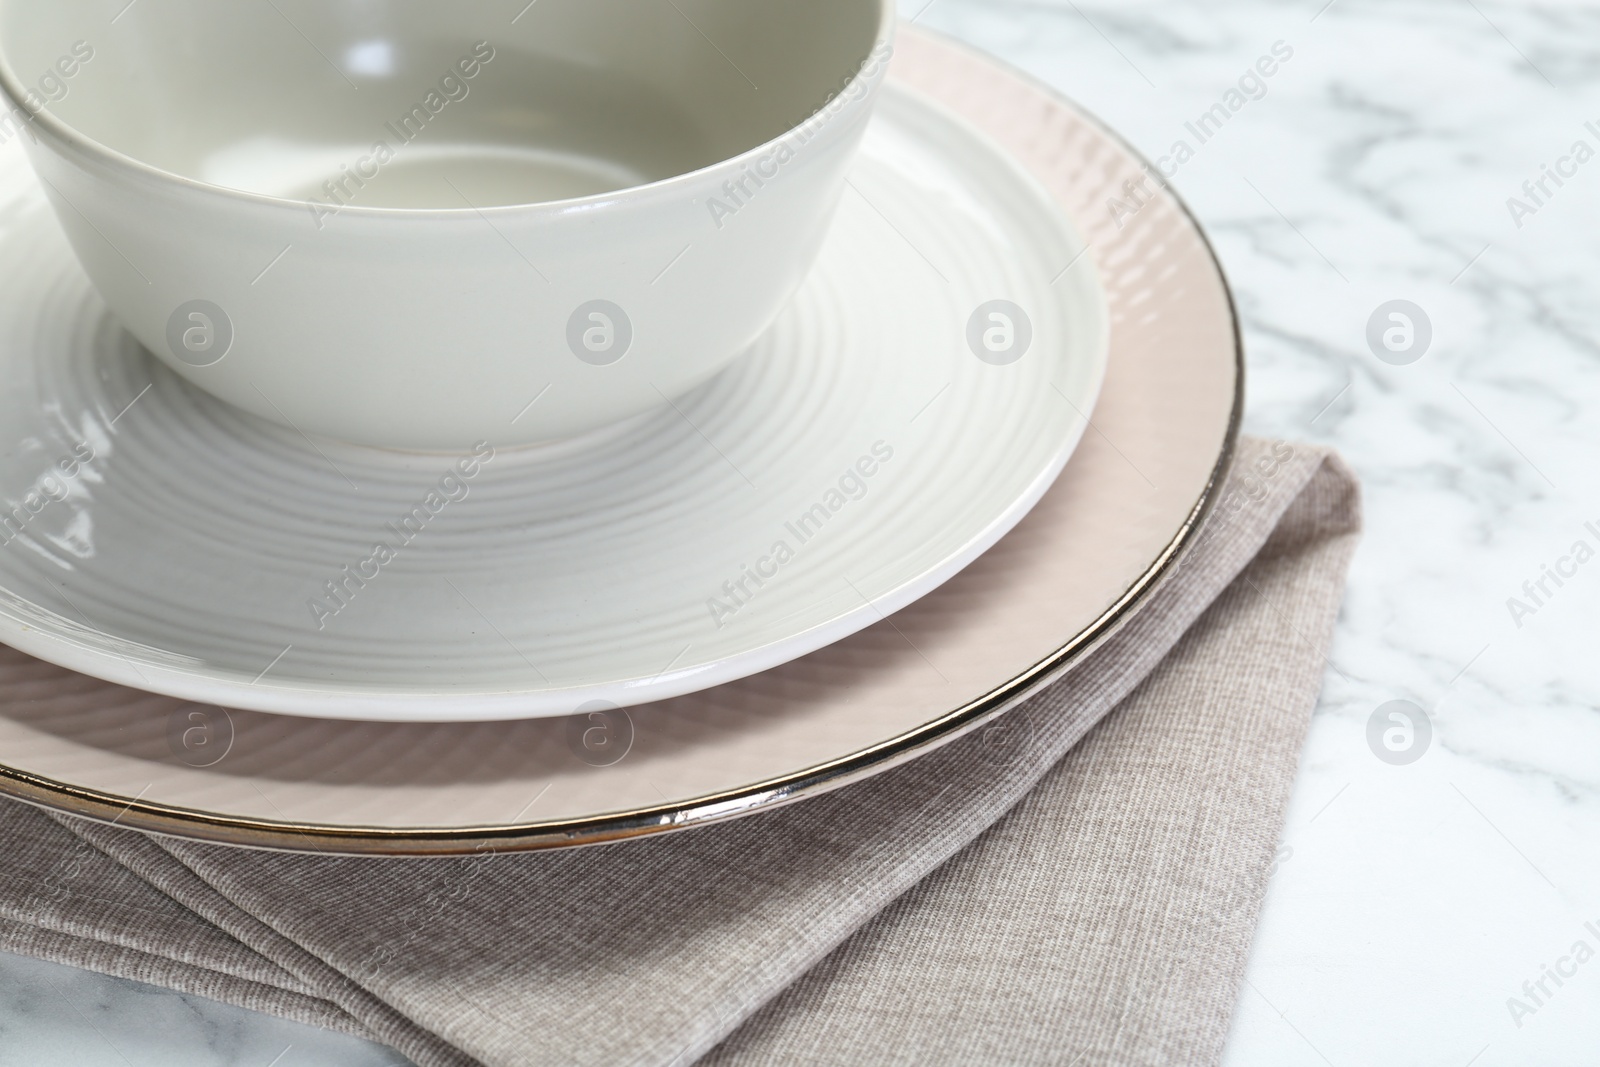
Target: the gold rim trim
(190, 824)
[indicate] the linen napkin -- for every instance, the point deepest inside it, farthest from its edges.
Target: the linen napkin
(1078, 883)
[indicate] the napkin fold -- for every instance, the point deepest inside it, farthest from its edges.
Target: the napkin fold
(1077, 883)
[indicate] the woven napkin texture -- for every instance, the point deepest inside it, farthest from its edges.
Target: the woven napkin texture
(1077, 884)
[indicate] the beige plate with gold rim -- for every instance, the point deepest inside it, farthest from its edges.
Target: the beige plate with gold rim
(1009, 624)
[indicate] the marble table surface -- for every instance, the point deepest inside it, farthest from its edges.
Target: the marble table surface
(1428, 888)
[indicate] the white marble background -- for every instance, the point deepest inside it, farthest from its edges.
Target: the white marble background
(1410, 901)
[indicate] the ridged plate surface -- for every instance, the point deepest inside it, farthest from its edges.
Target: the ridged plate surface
(891, 427)
(1103, 536)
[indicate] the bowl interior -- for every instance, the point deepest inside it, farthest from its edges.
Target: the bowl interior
(420, 104)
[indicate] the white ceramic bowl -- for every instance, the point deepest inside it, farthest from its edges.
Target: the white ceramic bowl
(416, 225)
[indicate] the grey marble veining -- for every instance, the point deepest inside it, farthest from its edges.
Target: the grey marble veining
(51, 1015)
(1414, 906)
(1411, 903)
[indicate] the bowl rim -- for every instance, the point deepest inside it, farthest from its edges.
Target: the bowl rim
(68, 139)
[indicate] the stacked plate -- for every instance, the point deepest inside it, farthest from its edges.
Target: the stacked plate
(976, 438)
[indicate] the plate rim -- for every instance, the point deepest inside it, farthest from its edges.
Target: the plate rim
(816, 780)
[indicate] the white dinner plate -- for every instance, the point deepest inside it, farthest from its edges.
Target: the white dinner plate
(921, 394)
